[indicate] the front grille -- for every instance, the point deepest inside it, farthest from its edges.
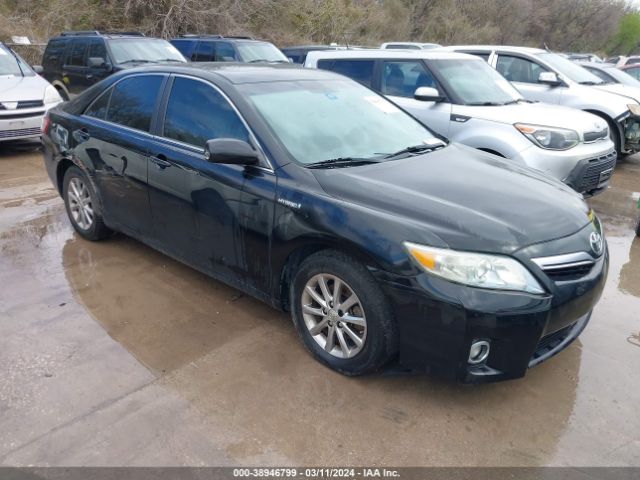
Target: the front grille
(26, 104)
(598, 171)
(550, 342)
(13, 116)
(569, 272)
(23, 132)
(595, 136)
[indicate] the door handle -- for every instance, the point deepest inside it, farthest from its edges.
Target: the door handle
(81, 135)
(88, 76)
(160, 162)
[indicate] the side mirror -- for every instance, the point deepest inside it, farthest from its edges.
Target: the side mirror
(231, 151)
(427, 94)
(97, 62)
(549, 78)
(38, 69)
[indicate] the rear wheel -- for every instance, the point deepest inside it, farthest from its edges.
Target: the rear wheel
(63, 94)
(80, 202)
(341, 314)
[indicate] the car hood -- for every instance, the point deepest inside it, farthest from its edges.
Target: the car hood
(15, 89)
(540, 114)
(633, 93)
(469, 199)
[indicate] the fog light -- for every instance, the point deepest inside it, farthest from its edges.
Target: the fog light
(478, 352)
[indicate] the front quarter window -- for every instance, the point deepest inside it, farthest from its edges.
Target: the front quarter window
(317, 120)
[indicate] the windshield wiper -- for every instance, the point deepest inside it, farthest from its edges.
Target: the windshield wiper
(589, 82)
(168, 60)
(513, 102)
(485, 104)
(342, 162)
(416, 149)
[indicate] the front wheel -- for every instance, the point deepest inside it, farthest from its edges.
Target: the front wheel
(80, 202)
(342, 315)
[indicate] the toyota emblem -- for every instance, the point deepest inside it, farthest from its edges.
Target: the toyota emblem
(595, 239)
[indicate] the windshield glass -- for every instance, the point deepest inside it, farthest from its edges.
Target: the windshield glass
(145, 49)
(622, 77)
(474, 82)
(9, 64)
(569, 69)
(325, 119)
(260, 52)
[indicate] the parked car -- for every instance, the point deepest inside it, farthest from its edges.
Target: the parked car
(462, 98)
(408, 46)
(583, 57)
(632, 69)
(216, 48)
(622, 60)
(299, 53)
(24, 97)
(381, 239)
(610, 74)
(548, 77)
(73, 61)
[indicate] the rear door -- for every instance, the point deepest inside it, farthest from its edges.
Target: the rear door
(523, 73)
(399, 81)
(214, 216)
(113, 143)
(74, 70)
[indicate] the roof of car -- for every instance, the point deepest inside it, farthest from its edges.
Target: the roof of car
(187, 37)
(600, 65)
(241, 73)
(430, 54)
(529, 50)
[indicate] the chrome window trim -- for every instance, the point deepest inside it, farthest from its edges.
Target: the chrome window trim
(252, 136)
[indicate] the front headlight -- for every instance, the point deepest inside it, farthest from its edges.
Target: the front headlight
(634, 108)
(475, 269)
(51, 95)
(550, 138)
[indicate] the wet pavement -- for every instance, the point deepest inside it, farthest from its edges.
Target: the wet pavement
(113, 354)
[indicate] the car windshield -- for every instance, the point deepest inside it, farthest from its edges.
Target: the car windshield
(144, 49)
(474, 82)
(320, 120)
(10, 65)
(569, 69)
(260, 52)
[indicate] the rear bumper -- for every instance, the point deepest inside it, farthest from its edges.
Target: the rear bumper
(438, 321)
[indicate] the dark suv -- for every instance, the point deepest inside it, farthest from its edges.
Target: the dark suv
(74, 61)
(216, 48)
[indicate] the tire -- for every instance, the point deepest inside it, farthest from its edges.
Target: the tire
(63, 94)
(80, 201)
(368, 314)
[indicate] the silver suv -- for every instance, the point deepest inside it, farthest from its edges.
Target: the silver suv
(548, 77)
(462, 98)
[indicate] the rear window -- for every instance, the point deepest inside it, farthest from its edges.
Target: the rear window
(54, 52)
(359, 70)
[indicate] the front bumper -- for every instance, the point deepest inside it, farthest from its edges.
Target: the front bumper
(19, 125)
(439, 320)
(591, 176)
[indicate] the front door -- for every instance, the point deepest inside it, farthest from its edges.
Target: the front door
(401, 78)
(524, 73)
(206, 213)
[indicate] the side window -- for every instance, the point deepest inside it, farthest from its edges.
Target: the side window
(75, 57)
(98, 109)
(633, 61)
(196, 112)
(204, 52)
(185, 47)
(516, 69)
(133, 101)
(359, 70)
(403, 77)
(54, 53)
(634, 72)
(225, 52)
(97, 50)
(600, 74)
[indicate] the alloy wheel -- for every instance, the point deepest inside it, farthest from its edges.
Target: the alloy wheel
(80, 204)
(334, 316)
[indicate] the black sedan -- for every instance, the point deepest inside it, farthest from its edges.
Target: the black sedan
(318, 196)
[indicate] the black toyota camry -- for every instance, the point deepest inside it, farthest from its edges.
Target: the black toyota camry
(319, 197)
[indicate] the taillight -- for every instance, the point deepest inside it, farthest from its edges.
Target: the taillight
(46, 124)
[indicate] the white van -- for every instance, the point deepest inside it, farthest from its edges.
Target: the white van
(460, 97)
